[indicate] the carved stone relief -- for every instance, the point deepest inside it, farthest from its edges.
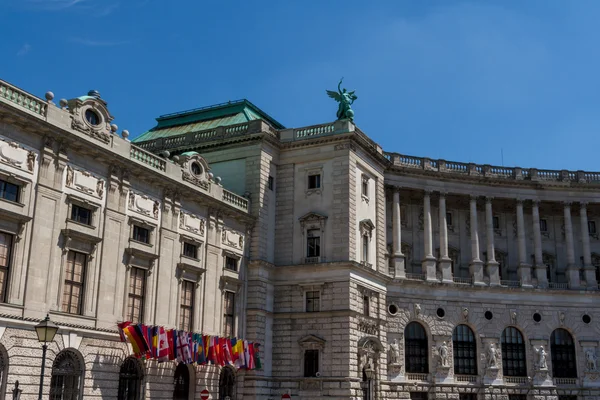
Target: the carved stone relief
(84, 182)
(14, 154)
(192, 223)
(232, 238)
(143, 205)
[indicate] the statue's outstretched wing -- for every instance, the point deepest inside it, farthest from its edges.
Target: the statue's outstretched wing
(333, 95)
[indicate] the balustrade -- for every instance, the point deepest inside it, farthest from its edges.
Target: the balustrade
(22, 99)
(147, 158)
(234, 199)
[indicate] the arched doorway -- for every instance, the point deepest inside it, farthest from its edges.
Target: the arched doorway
(67, 376)
(181, 385)
(369, 349)
(227, 384)
(130, 380)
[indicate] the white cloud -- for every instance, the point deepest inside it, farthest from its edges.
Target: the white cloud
(24, 50)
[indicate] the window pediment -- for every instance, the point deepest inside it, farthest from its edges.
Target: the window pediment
(313, 219)
(366, 227)
(312, 342)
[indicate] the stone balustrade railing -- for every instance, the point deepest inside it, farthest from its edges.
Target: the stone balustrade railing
(22, 99)
(491, 171)
(143, 156)
(234, 199)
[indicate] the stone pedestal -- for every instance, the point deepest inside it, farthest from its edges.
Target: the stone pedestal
(589, 272)
(493, 273)
(476, 270)
(429, 269)
(573, 276)
(525, 275)
(445, 267)
(399, 266)
(541, 275)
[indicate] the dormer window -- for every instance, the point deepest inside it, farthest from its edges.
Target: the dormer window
(92, 117)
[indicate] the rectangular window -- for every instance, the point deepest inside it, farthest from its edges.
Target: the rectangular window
(365, 248)
(517, 397)
(314, 181)
(496, 222)
(418, 395)
(190, 250)
(9, 191)
(467, 396)
(6, 242)
(271, 183)
(186, 306)
(366, 306)
(73, 288)
(81, 214)
(365, 186)
(313, 243)
(229, 314)
(231, 263)
(567, 397)
(543, 225)
(592, 227)
(311, 363)
(137, 287)
(448, 219)
(141, 234)
(313, 300)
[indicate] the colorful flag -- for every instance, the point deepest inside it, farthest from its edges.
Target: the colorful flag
(248, 353)
(171, 344)
(242, 356)
(227, 358)
(121, 326)
(201, 358)
(256, 356)
(163, 345)
(136, 338)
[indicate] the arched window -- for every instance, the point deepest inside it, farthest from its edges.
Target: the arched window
(415, 343)
(465, 351)
(513, 353)
(562, 350)
(181, 391)
(227, 384)
(130, 380)
(67, 376)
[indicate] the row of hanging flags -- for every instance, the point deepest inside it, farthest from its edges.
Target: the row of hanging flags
(161, 344)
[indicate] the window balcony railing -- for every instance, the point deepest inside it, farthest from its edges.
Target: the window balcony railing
(463, 281)
(415, 277)
(466, 378)
(417, 377)
(557, 285)
(516, 380)
(512, 284)
(313, 260)
(565, 381)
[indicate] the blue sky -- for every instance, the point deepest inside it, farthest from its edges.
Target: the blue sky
(459, 80)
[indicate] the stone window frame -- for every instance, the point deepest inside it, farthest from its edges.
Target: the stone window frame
(309, 171)
(311, 342)
(234, 285)
(310, 221)
(305, 299)
(194, 241)
(190, 273)
(594, 223)
(231, 254)
(149, 292)
(498, 230)
(81, 202)
(132, 221)
(21, 182)
(365, 180)
(14, 224)
(366, 228)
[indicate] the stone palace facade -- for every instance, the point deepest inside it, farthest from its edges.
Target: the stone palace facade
(364, 274)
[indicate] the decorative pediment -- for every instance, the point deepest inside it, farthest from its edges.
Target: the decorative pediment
(90, 116)
(73, 235)
(312, 342)
(195, 169)
(366, 227)
(370, 344)
(313, 220)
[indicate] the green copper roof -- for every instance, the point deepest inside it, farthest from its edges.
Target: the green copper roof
(230, 113)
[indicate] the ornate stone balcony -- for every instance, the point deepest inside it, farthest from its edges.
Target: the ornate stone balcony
(22, 99)
(417, 377)
(491, 171)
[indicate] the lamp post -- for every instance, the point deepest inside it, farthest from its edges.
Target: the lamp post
(369, 374)
(45, 332)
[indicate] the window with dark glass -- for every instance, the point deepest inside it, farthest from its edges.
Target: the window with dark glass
(465, 351)
(137, 287)
(467, 396)
(365, 187)
(67, 376)
(543, 225)
(567, 397)
(229, 314)
(186, 306)
(141, 234)
(92, 117)
(81, 214)
(313, 299)
(231, 263)
(311, 363)
(366, 306)
(416, 349)
(513, 352)
(562, 349)
(190, 250)
(314, 181)
(313, 243)
(196, 168)
(592, 227)
(418, 395)
(271, 183)
(6, 242)
(517, 397)
(449, 219)
(73, 286)
(365, 248)
(130, 380)
(9, 191)
(227, 384)
(181, 384)
(496, 222)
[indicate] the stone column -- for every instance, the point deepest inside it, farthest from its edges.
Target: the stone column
(476, 265)
(572, 268)
(428, 263)
(399, 268)
(444, 263)
(524, 266)
(540, 268)
(492, 264)
(588, 268)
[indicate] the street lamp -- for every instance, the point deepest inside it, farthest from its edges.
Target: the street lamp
(369, 375)
(45, 332)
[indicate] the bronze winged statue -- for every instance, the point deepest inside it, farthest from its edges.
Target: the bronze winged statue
(345, 99)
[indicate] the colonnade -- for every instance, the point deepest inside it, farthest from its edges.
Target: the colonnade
(431, 266)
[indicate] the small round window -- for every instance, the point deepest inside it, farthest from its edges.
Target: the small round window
(441, 312)
(196, 168)
(393, 309)
(537, 317)
(92, 117)
(586, 319)
(488, 315)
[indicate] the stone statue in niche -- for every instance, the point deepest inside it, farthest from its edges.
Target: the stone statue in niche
(542, 358)
(30, 160)
(492, 356)
(465, 313)
(70, 175)
(513, 317)
(443, 353)
(155, 208)
(417, 310)
(131, 200)
(591, 361)
(100, 187)
(394, 352)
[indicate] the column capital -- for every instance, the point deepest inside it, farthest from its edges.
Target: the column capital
(583, 204)
(473, 197)
(567, 204)
(443, 194)
(488, 199)
(427, 192)
(520, 200)
(535, 202)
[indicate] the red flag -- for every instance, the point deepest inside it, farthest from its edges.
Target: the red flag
(121, 326)
(171, 344)
(163, 345)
